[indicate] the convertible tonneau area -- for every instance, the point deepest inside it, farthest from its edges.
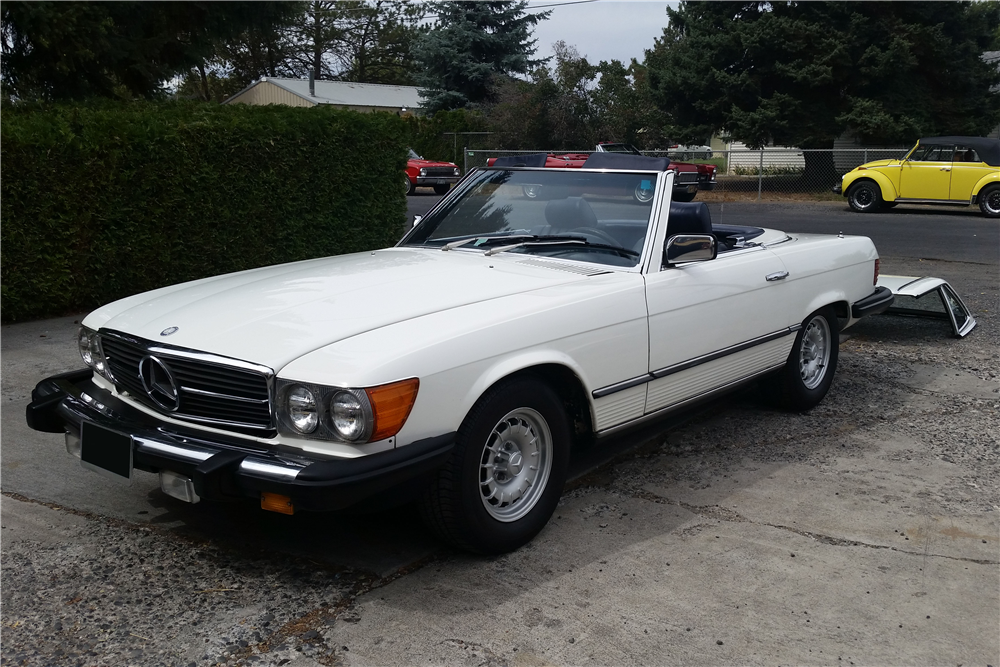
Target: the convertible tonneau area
(695, 218)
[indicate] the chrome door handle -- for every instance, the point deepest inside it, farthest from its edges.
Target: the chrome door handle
(945, 168)
(772, 277)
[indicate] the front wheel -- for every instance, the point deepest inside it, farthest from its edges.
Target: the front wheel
(410, 187)
(808, 373)
(865, 197)
(441, 189)
(989, 201)
(684, 196)
(505, 476)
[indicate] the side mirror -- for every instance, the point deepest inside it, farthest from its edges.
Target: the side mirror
(417, 219)
(685, 248)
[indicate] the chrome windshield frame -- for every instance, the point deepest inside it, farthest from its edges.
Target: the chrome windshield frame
(657, 210)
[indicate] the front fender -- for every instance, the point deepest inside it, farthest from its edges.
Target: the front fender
(885, 185)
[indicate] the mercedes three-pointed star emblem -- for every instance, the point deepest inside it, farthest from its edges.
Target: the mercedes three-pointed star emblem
(159, 383)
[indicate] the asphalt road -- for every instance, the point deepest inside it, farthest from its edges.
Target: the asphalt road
(864, 532)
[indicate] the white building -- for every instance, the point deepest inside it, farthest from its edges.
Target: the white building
(344, 94)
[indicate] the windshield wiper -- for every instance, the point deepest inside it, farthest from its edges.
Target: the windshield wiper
(533, 243)
(556, 240)
(480, 240)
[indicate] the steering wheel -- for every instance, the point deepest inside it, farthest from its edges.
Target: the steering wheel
(602, 235)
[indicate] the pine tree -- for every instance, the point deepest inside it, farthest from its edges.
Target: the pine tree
(469, 45)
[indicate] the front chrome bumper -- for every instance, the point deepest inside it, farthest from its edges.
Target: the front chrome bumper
(222, 467)
(437, 180)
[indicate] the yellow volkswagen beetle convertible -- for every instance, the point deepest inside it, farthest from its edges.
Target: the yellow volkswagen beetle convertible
(937, 170)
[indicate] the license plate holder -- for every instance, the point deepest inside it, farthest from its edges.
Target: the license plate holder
(106, 452)
(442, 181)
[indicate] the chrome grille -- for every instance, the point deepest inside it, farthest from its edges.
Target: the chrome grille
(439, 171)
(687, 177)
(210, 391)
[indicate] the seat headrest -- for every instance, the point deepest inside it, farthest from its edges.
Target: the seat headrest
(689, 218)
(626, 161)
(570, 213)
(533, 160)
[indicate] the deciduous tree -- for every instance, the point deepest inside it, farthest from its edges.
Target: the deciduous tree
(801, 73)
(73, 50)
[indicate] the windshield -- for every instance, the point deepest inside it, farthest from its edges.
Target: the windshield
(413, 154)
(586, 216)
(620, 148)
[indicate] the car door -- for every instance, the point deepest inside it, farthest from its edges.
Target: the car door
(713, 323)
(926, 174)
(967, 169)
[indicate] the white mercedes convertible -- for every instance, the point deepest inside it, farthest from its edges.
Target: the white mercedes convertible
(463, 365)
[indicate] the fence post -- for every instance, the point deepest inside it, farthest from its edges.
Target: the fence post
(866, 157)
(760, 174)
(465, 160)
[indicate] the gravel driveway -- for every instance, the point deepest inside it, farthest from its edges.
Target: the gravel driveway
(866, 531)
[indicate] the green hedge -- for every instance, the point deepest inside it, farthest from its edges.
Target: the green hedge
(106, 200)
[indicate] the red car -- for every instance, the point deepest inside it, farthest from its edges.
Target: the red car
(690, 177)
(428, 173)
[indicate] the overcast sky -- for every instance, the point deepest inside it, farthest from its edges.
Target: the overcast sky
(602, 29)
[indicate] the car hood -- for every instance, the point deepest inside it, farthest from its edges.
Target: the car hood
(879, 163)
(276, 314)
(429, 163)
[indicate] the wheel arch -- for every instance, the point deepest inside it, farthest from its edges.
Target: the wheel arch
(836, 300)
(988, 179)
(558, 375)
(886, 187)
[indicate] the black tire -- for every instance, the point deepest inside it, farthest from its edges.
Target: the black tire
(458, 505)
(410, 187)
(442, 189)
(810, 368)
(684, 196)
(989, 201)
(865, 196)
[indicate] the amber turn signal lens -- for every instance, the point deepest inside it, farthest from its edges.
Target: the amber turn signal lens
(391, 404)
(275, 502)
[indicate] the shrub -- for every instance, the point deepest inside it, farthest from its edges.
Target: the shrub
(109, 199)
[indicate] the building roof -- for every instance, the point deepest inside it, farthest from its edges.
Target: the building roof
(347, 93)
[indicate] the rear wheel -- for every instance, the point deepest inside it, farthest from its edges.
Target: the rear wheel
(808, 373)
(989, 201)
(505, 476)
(864, 197)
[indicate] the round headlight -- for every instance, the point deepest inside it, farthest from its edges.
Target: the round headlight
(458, 172)
(423, 172)
(302, 410)
(83, 340)
(347, 415)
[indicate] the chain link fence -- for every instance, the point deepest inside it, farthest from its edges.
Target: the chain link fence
(744, 174)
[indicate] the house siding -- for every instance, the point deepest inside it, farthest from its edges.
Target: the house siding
(266, 92)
